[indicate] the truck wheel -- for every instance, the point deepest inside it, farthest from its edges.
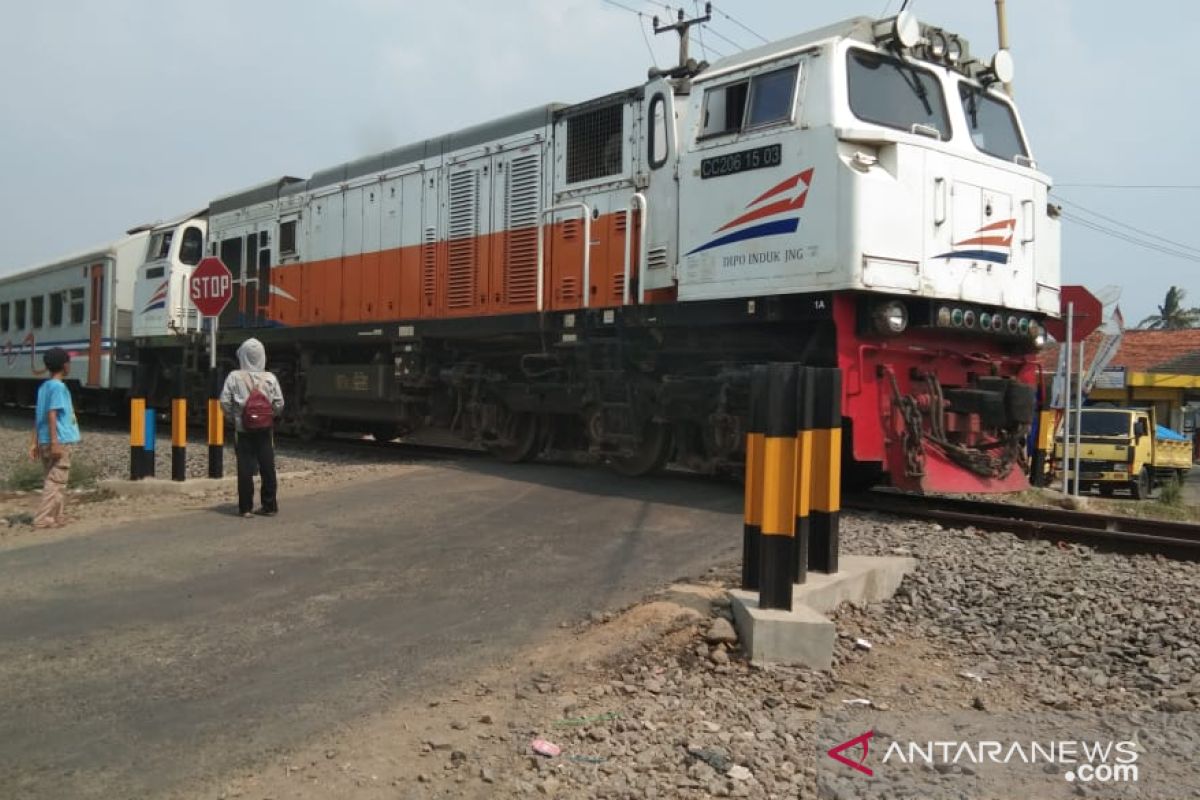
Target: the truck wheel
(1106, 491)
(1141, 487)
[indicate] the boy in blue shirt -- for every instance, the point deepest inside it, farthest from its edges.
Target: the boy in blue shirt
(55, 431)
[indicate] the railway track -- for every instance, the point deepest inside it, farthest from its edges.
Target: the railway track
(1178, 540)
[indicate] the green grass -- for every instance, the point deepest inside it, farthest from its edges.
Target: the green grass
(1171, 492)
(28, 476)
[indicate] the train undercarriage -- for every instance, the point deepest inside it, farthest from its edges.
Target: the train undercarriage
(636, 387)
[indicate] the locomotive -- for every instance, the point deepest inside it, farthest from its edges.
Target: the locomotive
(603, 276)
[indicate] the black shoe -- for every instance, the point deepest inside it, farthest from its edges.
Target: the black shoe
(267, 512)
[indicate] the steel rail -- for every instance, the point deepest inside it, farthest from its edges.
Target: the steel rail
(1179, 540)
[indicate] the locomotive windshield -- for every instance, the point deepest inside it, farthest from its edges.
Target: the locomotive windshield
(891, 92)
(992, 123)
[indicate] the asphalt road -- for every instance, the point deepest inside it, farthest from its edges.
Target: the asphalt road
(135, 662)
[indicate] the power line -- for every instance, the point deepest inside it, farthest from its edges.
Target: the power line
(700, 31)
(622, 6)
(1129, 239)
(641, 26)
(725, 39)
(740, 25)
(1127, 226)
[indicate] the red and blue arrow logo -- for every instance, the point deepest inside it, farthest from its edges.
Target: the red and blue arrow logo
(783, 198)
(158, 299)
(997, 235)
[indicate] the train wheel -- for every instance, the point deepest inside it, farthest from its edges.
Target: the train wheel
(519, 438)
(651, 455)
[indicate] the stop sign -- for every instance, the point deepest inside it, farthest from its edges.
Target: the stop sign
(211, 286)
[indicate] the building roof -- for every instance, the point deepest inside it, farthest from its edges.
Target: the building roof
(1169, 352)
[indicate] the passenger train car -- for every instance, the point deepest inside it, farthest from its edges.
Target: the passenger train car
(82, 303)
(602, 276)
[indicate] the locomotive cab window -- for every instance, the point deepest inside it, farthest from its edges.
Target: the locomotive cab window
(896, 94)
(992, 124)
(160, 246)
(764, 99)
(192, 246)
(594, 144)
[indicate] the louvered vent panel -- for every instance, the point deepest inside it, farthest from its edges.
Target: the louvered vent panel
(568, 289)
(570, 228)
(656, 258)
(429, 266)
(618, 284)
(464, 239)
(521, 221)
(619, 221)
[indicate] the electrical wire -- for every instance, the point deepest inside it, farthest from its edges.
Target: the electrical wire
(641, 27)
(725, 39)
(1083, 222)
(739, 24)
(700, 31)
(1139, 231)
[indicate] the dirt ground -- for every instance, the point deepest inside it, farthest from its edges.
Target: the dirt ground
(551, 691)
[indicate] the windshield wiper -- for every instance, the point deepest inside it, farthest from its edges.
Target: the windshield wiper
(917, 87)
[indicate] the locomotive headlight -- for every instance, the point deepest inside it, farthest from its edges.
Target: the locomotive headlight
(997, 323)
(956, 317)
(953, 50)
(943, 317)
(985, 320)
(937, 45)
(891, 317)
(969, 318)
(1025, 326)
(1012, 326)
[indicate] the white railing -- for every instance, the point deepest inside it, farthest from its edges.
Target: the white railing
(587, 250)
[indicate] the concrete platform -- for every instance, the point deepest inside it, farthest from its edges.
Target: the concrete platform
(805, 635)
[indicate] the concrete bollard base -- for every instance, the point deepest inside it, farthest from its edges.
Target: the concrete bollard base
(805, 635)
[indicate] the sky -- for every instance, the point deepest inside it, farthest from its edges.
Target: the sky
(119, 113)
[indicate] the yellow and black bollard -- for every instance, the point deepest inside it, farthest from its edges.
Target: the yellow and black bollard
(803, 472)
(778, 490)
(752, 514)
(216, 439)
(178, 439)
(827, 471)
(137, 437)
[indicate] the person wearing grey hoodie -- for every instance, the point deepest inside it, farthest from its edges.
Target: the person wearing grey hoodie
(254, 448)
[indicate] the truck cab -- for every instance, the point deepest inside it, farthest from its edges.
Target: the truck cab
(1123, 449)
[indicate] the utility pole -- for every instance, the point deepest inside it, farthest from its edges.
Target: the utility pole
(682, 26)
(1002, 35)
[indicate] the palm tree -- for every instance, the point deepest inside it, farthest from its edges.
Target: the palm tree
(1172, 316)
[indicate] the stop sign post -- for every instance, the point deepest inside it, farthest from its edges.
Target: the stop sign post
(211, 289)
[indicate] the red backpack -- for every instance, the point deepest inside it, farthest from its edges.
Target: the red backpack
(257, 414)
